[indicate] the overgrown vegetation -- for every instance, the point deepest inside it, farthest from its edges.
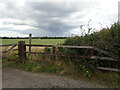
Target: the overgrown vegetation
(70, 69)
(107, 39)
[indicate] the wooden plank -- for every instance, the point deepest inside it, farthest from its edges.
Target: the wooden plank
(79, 56)
(15, 50)
(103, 58)
(80, 47)
(37, 45)
(109, 69)
(8, 45)
(9, 49)
(40, 53)
(106, 53)
(61, 55)
(88, 47)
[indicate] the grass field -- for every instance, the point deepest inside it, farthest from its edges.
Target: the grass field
(34, 41)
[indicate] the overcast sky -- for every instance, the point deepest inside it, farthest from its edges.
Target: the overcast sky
(55, 18)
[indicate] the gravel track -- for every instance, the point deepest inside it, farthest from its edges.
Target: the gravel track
(13, 78)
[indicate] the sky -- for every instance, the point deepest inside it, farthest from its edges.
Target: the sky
(18, 18)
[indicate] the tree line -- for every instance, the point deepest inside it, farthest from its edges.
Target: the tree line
(34, 37)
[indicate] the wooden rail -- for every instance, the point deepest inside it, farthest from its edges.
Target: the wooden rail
(80, 47)
(109, 69)
(80, 56)
(37, 45)
(11, 49)
(106, 53)
(8, 45)
(104, 58)
(110, 56)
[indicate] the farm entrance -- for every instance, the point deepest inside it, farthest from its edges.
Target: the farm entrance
(21, 54)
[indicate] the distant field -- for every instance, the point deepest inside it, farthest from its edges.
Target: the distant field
(34, 41)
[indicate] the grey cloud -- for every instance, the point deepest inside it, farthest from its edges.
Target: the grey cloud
(43, 13)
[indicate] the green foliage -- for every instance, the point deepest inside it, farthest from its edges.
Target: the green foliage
(51, 68)
(47, 50)
(86, 66)
(34, 66)
(112, 78)
(30, 65)
(107, 39)
(36, 69)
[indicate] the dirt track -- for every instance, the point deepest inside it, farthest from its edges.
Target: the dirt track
(13, 78)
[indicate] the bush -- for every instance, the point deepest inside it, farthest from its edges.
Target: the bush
(107, 39)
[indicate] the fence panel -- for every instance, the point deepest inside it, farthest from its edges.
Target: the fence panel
(110, 56)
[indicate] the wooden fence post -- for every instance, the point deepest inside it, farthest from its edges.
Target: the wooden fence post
(30, 40)
(22, 50)
(54, 52)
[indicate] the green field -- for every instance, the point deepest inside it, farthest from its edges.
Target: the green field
(34, 41)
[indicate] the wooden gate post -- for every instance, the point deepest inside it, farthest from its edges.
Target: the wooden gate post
(21, 51)
(54, 53)
(30, 40)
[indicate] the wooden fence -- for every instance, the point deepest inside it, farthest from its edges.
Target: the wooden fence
(109, 56)
(12, 48)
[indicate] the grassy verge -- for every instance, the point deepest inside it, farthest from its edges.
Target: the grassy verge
(64, 67)
(69, 69)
